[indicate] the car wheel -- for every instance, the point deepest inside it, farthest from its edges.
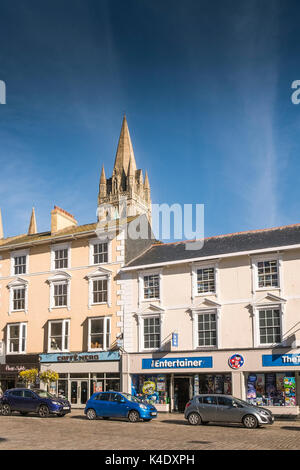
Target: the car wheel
(133, 416)
(43, 411)
(91, 414)
(250, 422)
(194, 419)
(6, 410)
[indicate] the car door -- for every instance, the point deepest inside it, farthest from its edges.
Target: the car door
(118, 406)
(30, 401)
(102, 404)
(228, 411)
(16, 400)
(208, 408)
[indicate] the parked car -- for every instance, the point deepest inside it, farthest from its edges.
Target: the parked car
(226, 409)
(119, 405)
(37, 401)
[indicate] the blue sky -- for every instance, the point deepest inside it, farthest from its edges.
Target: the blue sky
(206, 87)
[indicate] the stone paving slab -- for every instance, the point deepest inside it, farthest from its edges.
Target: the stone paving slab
(167, 432)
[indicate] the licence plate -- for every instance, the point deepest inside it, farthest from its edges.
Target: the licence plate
(153, 414)
(66, 407)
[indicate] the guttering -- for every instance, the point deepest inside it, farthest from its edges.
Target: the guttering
(204, 258)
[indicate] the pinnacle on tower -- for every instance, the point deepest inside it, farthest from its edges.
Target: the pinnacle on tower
(124, 150)
(32, 225)
(1, 226)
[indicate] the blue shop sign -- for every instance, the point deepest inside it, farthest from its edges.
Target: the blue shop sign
(81, 357)
(175, 340)
(270, 360)
(178, 363)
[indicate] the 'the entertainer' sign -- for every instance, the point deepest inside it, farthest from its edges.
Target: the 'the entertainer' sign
(205, 362)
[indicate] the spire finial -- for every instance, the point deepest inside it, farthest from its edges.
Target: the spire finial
(32, 230)
(124, 150)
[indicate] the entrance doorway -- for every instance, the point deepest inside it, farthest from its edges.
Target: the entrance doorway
(181, 392)
(79, 392)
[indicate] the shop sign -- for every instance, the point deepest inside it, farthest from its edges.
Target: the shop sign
(178, 363)
(9, 368)
(270, 360)
(236, 361)
(81, 357)
(175, 340)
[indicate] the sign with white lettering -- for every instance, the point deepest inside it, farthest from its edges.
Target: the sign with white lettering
(270, 360)
(81, 357)
(178, 363)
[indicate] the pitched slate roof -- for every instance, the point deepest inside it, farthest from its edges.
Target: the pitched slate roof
(161, 253)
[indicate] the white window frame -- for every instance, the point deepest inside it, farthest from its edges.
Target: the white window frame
(141, 330)
(106, 321)
(18, 283)
(256, 310)
(16, 254)
(62, 246)
(141, 276)
(59, 278)
(21, 325)
(270, 257)
(204, 265)
(97, 241)
(199, 311)
(64, 322)
(100, 274)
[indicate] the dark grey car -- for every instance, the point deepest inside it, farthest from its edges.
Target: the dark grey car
(225, 409)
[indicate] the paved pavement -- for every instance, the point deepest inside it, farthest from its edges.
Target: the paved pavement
(167, 432)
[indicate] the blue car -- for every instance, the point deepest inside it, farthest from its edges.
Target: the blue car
(119, 405)
(33, 401)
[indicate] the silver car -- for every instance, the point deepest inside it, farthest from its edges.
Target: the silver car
(225, 409)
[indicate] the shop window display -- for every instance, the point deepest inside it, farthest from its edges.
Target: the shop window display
(153, 389)
(219, 383)
(273, 389)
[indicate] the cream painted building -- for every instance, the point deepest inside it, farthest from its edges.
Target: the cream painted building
(60, 296)
(222, 319)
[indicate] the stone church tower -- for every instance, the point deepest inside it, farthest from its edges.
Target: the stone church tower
(126, 193)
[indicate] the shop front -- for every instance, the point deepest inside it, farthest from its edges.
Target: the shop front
(14, 364)
(258, 376)
(81, 374)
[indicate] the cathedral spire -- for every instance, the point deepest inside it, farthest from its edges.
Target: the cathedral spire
(1, 226)
(124, 150)
(102, 185)
(32, 226)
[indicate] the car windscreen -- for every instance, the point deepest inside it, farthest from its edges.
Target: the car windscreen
(131, 398)
(43, 394)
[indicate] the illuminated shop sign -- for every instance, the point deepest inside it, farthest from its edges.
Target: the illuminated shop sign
(178, 363)
(270, 360)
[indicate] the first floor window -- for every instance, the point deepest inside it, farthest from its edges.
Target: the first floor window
(99, 291)
(99, 337)
(151, 286)
(61, 294)
(61, 258)
(151, 333)
(59, 335)
(269, 326)
(16, 338)
(19, 299)
(207, 329)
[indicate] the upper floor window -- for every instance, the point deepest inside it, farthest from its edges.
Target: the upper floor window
(100, 250)
(267, 272)
(60, 256)
(207, 329)
(18, 293)
(151, 332)
(99, 287)
(19, 262)
(61, 294)
(19, 298)
(99, 291)
(60, 290)
(151, 287)
(58, 335)
(269, 326)
(16, 338)
(206, 280)
(99, 333)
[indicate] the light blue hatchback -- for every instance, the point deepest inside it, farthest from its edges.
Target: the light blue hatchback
(119, 405)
